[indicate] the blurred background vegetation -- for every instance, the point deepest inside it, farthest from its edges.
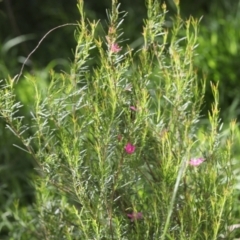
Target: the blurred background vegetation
(24, 23)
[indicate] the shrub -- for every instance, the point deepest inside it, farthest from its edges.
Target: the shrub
(116, 143)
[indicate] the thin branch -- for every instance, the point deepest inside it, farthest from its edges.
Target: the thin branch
(30, 54)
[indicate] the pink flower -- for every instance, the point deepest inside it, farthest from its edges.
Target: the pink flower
(135, 216)
(196, 161)
(129, 148)
(115, 48)
(133, 108)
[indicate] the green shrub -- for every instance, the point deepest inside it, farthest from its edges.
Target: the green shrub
(117, 146)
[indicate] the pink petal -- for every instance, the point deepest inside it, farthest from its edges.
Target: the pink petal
(115, 48)
(129, 148)
(133, 108)
(135, 216)
(196, 161)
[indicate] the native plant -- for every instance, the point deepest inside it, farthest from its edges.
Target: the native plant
(117, 142)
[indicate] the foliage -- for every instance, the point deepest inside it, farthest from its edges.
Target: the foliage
(219, 53)
(116, 144)
(17, 20)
